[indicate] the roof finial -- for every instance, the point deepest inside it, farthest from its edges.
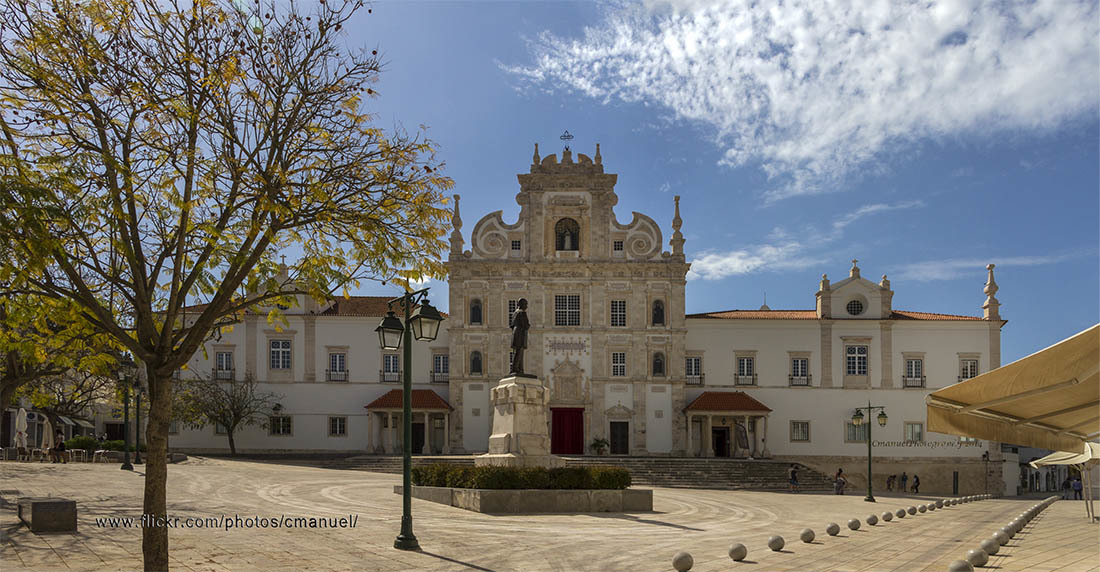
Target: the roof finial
(824, 282)
(599, 158)
(677, 241)
(854, 272)
(535, 160)
(991, 308)
(885, 284)
(456, 235)
(765, 306)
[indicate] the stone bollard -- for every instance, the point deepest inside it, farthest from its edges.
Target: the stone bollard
(887, 516)
(776, 543)
(900, 513)
(1000, 537)
(833, 529)
(939, 503)
(1007, 530)
(990, 546)
(960, 566)
(682, 561)
(931, 506)
(806, 535)
(853, 524)
(977, 557)
(738, 552)
(872, 520)
(921, 508)
(913, 510)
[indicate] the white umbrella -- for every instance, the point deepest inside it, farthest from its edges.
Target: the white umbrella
(21, 428)
(47, 435)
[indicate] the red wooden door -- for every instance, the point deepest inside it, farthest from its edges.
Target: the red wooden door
(567, 433)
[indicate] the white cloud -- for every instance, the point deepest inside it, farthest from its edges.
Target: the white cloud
(950, 269)
(814, 92)
(784, 251)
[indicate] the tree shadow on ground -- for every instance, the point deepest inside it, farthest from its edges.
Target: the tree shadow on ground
(630, 517)
(455, 561)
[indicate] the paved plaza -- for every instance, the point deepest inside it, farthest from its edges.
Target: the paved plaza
(702, 522)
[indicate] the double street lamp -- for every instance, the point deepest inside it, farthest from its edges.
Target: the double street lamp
(857, 420)
(424, 326)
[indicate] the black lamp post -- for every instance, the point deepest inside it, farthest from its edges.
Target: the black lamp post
(126, 372)
(857, 420)
(424, 325)
(138, 390)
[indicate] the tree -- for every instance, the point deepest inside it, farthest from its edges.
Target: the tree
(233, 404)
(159, 153)
(69, 393)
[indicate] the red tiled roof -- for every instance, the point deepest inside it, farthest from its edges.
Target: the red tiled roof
(726, 401)
(812, 315)
(360, 306)
(421, 399)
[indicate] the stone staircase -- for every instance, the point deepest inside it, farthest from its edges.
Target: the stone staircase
(681, 472)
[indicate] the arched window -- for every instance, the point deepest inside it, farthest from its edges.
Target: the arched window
(475, 363)
(658, 313)
(567, 235)
(658, 365)
(475, 312)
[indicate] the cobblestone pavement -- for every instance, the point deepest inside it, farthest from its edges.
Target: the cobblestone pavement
(702, 522)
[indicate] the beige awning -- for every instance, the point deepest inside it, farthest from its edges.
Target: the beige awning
(1091, 454)
(1049, 399)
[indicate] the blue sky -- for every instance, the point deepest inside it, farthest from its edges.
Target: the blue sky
(926, 142)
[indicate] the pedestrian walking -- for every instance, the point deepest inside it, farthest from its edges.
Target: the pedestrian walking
(839, 481)
(904, 481)
(792, 479)
(890, 482)
(1077, 488)
(916, 484)
(1065, 488)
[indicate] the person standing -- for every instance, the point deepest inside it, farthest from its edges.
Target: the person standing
(839, 481)
(890, 483)
(916, 484)
(1077, 488)
(58, 450)
(904, 481)
(792, 479)
(1065, 489)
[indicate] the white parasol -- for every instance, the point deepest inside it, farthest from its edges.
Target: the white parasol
(21, 428)
(47, 435)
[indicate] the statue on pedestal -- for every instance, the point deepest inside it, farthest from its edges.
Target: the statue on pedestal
(520, 325)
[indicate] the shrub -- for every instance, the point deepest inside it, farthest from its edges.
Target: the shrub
(89, 444)
(116, 445)
(571, 478)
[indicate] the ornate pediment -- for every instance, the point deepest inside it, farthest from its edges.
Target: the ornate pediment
(619, 410)
(568, 382)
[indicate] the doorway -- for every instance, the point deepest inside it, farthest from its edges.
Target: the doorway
(417, 438)
(620, 438)
(567, 430)
(721, 440)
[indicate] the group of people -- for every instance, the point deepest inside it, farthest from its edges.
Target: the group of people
(1074, 485)
(893, 481)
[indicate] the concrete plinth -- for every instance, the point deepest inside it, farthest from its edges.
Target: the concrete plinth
(520, 436)
(48, 514)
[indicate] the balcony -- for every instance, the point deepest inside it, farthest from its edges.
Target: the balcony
(965, 377)
(800, 380)
(745, 379)
(440, 376)
(389, 376)
(698, 379)
(224, 374)
(336, 375)
(908, 381)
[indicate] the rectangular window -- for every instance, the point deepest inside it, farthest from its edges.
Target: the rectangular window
(914, 373)
(173, 427)
(220, 429)
(800, 371)
(914, 432)
(280, 354)
(618, 313)
(513, 305)
(693, 370)
(800, 431)
(567, 310)
(855, 433)
(746, 371)
(391, 368)
(618, 364)
(517, 245)
(337, 426)
(857, 361)
(968, 368)
(337, 366)
(617, 246)
(224, 361)
(441, 363)
(279, 425)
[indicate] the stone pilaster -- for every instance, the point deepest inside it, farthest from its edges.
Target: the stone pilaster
(886, 344)
(826, 353)
(309, 334)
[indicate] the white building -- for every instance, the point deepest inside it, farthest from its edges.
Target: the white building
(623, 361)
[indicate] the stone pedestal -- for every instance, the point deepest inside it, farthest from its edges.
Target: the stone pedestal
(520, 436)
(48, 514)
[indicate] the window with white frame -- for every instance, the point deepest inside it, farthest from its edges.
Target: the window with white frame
(857, 360)
(280, 354)
(746, 370)
(693, 370)
(337, 366)
(280, 425)
(337, 426)
(618, 364)
(441, 363)
(855, 433)
(968, 368)
(223, 365)
(800, 371)
(914, 432)
(914, 372)
(618, 313)
(567, 310)
(800, 431)
(391, 368)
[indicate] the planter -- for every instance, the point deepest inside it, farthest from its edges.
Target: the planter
(537, 501)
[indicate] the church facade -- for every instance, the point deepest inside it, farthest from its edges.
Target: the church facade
(623, 362)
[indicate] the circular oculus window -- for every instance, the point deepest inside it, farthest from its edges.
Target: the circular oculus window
(855, 307)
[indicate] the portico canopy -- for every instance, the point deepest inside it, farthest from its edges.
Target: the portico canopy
(1048, 399)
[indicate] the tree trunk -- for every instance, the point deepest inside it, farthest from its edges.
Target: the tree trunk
(154, 539)
(232, 444)
(6, 393)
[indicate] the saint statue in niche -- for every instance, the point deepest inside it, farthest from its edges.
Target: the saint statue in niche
(520, 325)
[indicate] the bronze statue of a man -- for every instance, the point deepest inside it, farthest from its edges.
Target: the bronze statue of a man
(520, 325)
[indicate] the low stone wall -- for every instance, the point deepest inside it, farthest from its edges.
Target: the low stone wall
(936, 473)
(521, 501)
